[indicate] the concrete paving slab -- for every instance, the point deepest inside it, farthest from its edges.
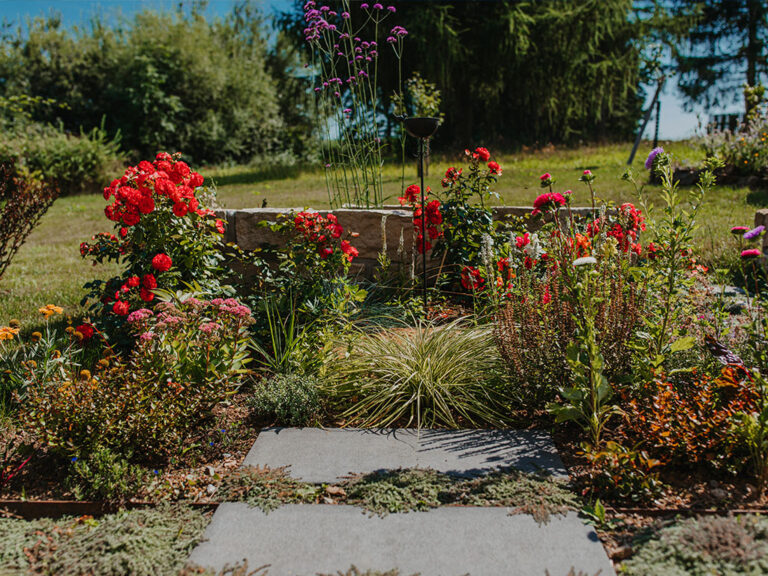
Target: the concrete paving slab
(327, 455)
(303, 540)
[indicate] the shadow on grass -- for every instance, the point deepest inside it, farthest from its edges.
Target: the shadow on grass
(758, 197)
(256, 175)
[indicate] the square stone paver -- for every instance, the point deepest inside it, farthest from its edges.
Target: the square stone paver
(327, 455)
(304, 540)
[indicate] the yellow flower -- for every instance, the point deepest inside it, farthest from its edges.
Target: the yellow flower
(50, 309)
(56, 354)
(31, 364)
(69, 330)
(8, 332)
(14, 323)
(36, 336)
(104, 363)
(85, 375)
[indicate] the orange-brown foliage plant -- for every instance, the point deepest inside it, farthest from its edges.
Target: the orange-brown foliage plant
(690, 423)
(23, 201)
(533, 331)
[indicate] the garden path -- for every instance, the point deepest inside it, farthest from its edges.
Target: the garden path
(307, 539)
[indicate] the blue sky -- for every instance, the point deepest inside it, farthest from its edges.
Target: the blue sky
(675, 122)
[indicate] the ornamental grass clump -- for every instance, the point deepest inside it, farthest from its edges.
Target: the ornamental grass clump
(424, 375)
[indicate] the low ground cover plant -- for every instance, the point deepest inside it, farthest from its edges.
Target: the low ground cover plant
(707, 545)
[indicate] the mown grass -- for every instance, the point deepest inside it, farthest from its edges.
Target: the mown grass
(48, 268)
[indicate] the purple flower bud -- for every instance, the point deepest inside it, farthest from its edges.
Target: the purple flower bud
(378, 6)
(327, 165)
(325, 84)
(364, 6)
(332, 13)
(391, 9)
(374, 53)
(373, 44)
(345, 15)
(338, 95)
(317, 89)
(363, 73)
(347, 110)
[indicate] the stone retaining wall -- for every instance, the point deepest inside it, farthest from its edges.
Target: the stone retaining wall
(761, 219)
(373, 226)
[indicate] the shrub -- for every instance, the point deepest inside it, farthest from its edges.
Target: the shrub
(188, 358)
(726, 546)
(24, 198)
(293, 399)
(427, 375)
(72, 163)
(689, 422)
(624, 473)
(744, 152)
(103, 475)
(164, 237)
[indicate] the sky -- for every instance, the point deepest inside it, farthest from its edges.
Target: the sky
(676, 123)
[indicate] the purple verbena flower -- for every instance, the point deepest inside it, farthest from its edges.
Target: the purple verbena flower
(364, 6)
(754, 233)
(652, 156)
(392, 9)
(378, 6)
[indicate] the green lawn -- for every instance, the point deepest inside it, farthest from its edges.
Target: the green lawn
(48, 269)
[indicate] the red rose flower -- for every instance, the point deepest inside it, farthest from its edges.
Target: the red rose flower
(149, 282)
(494, 168)
(195, 180)
(349, 250)
(482, 154)
(131, 218)
(325, 252)
(180, 209)
(86, 330)
(123, 232)
(162, 262)
(220, 227)
(146, 295)
(121, 308)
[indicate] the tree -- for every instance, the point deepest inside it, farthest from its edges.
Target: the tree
(519, 72)
(726, 47)
(162, 80)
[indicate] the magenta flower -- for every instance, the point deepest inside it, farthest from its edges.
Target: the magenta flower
(364, 6)
(392, 9)
(739, 230)
(750, 253)
(378, 6)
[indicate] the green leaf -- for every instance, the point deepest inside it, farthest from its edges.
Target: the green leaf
(682, 344)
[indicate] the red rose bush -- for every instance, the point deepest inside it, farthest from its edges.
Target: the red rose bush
(163, 236)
